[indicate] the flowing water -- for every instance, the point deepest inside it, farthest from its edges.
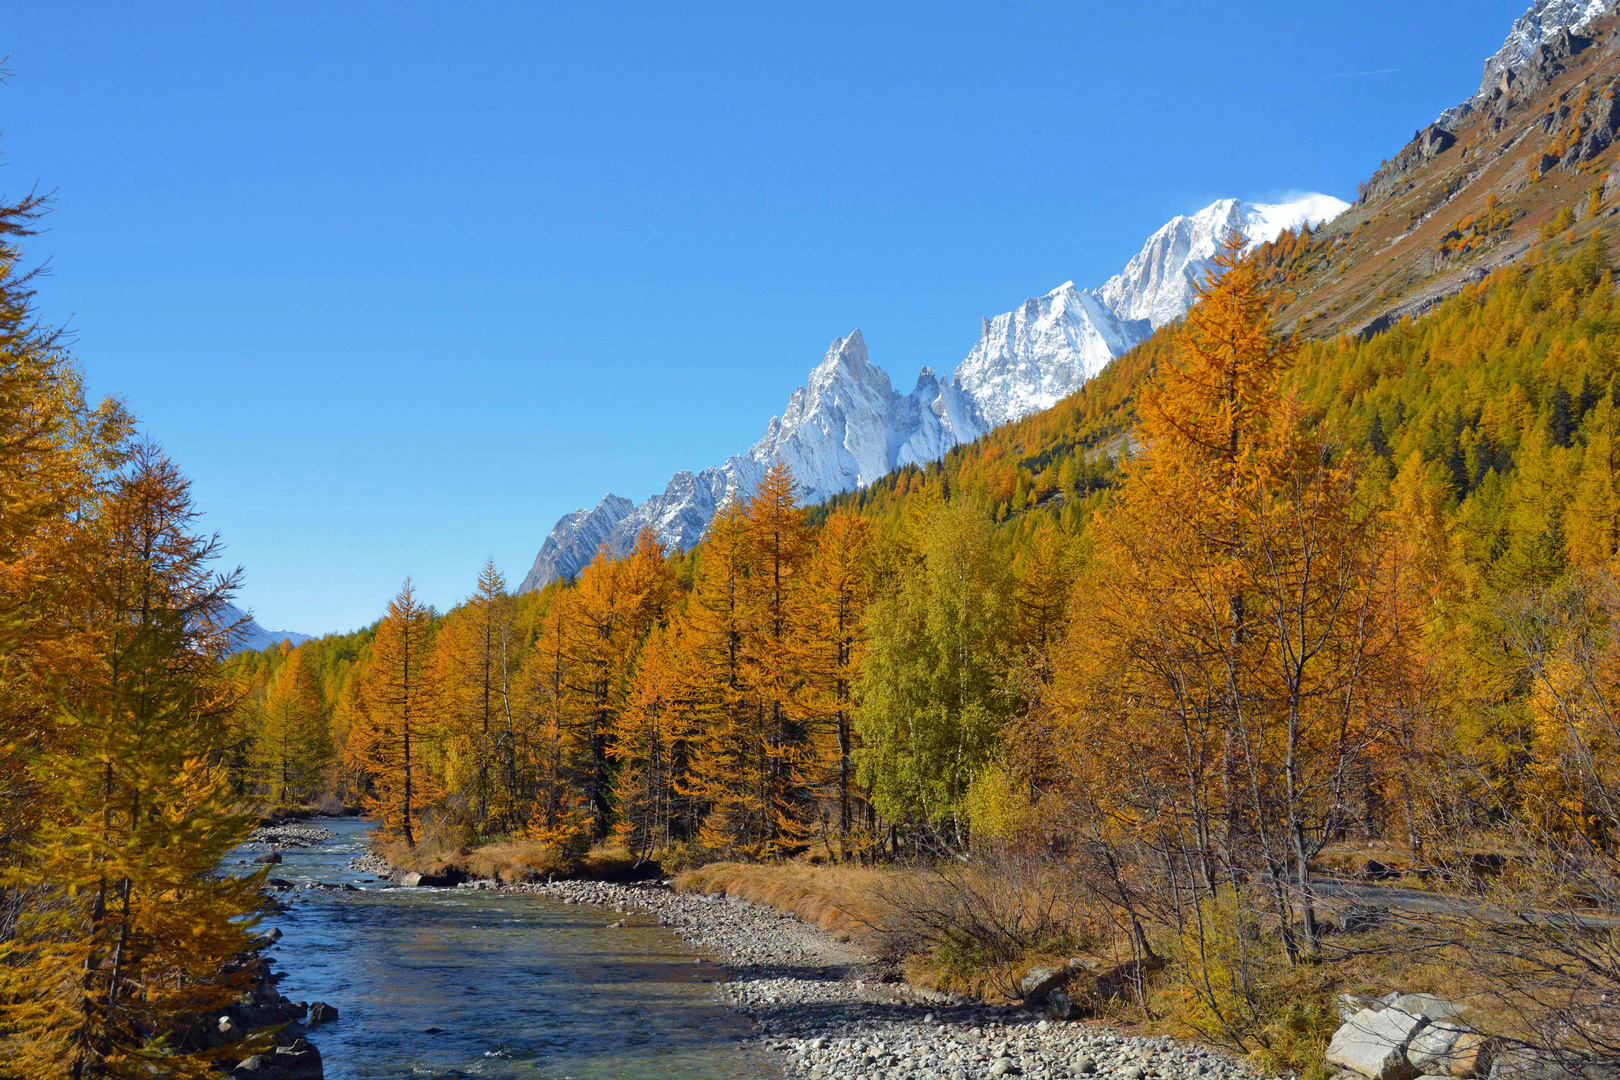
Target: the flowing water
(515, 985)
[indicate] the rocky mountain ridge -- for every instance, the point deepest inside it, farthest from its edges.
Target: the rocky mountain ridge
(1544, 20)
(1528, 160)
(848, 425)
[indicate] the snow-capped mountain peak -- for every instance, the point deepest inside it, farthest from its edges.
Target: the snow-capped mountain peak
(1042, 351)
(1160, 283)
(848, 425)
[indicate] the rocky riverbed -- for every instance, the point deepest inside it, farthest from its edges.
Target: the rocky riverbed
(288, 834)
(820, 1004)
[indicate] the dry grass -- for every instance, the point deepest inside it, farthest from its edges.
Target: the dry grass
(1296, 1011)
(514, 860)
(845, 901)
(424, 858)
(518, 860)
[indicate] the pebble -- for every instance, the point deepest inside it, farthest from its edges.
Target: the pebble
(286, 835)
(828, 1014)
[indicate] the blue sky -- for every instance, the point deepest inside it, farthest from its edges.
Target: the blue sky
(399, 284)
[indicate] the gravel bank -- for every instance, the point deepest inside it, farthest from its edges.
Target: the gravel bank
(817, 1003)
(286, 835)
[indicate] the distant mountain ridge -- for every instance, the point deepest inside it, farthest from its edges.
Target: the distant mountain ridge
(848, 425)
(251, 637)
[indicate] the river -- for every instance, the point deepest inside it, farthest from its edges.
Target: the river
(459, 982)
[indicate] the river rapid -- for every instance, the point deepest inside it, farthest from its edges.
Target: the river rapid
(461, 982)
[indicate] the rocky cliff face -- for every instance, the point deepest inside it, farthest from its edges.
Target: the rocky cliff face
(574, 541)
(848, 425)
(1043, 351)
(1549, 23)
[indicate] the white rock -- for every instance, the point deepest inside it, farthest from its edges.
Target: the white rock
(1374, 1044)
(1428, 1005)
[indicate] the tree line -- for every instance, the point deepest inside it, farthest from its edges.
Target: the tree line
(846, 676)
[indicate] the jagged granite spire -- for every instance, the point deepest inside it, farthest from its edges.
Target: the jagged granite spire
(848, 425)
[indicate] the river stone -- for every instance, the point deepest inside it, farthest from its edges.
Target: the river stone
(299, 1061)
(270, 859)
(413, 880)
(1430, 1051)
(1082, 1067)
(321, 1013)
(1374, 1044)
(1004, 1067)
(252, 1066)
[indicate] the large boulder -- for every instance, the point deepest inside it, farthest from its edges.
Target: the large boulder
(298, 1061)
(1435, 1049)
(1350, 1004)
(1374, 1044)
(1471, 1055)
(1428, 1005)
(1038, 982)
(1523, 1063)
(414, 880)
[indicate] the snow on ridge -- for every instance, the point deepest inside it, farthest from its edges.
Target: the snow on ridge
(1270, 220)
(1542, 19)
(1161, 281)
(848, 425)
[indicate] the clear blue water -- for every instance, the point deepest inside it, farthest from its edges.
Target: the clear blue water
(519, 985)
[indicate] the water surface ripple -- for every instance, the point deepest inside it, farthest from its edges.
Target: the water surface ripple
(517, 985)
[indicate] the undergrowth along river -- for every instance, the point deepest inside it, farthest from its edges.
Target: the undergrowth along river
(462, 982)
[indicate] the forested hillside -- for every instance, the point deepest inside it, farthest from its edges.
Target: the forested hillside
(1239, 601)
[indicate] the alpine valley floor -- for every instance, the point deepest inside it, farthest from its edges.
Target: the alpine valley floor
(819, 1005)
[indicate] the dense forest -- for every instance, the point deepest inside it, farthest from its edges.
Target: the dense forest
(841, 675)
(1241, 607)
(1236, 608)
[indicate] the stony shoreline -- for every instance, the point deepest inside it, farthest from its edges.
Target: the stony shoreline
(822, 1006)
(291, 1056)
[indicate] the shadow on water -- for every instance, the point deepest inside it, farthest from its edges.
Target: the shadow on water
(516, 985)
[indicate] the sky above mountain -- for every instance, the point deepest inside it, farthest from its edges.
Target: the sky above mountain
(400, 284)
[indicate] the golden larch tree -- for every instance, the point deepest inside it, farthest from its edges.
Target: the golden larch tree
(837, 589)
(396, 721)
(293, 745)
(133, 925)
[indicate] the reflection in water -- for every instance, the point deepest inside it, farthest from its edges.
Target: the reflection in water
(517, 985)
